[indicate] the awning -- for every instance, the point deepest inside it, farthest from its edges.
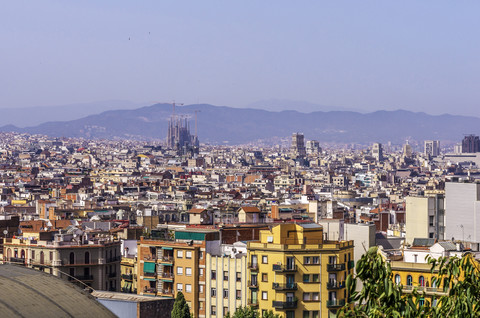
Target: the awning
(167, 248)
(150, 279)
(148, 267)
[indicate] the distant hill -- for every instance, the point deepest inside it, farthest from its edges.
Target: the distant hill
(219, 124)
(30, 116)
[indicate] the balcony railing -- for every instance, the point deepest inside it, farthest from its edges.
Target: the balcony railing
(149, 274)
(127, 276)
(283, 269)
(287, 286)
(284, 304)
(167, 292)
(252, 302)
(335, 285)
(253, 283)
(335, 303)
(167, 275)
(150, 290)
(114, 259)
(17, 260)
(168, 259)
(253, 266)
(335, 267)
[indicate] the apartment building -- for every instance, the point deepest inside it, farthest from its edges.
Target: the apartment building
(166, 267)
(294, 272)
(226, 283)
(73, 255)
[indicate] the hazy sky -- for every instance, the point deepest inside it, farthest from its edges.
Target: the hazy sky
(369, 55)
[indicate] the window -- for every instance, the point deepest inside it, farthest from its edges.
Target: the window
(200, 305)
(264, 295)
(315, 314)
(179, 270)
(290, 314)
(188, 271)
(225, 311)
(225, 293)
(188, 254)
(264, 277)
(345, 258)
(238, 294)
(87, 257)
(398, 280)
(225, 276)
(264, 259)
(213, 292)
(315, 278)
(201, 288)
(201, 271)
(332, 260)
(214, 310)
(179, 287)
(316, 260)
(306, 260)
(33, 254)
(200, 255)
(409, 280)
(214, 275)
(315, 296)
(188, 288)
(421, 281)
(179, 254)
(51, 257)
(306, 278)
(306, 296)
(306, 314)
(239, 277)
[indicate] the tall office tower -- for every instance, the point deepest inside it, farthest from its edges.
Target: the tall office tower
(462, 208)
(377, 151)
(470, 144)
(298, 146)
(432, 148)
(313, 147)
(407, 150)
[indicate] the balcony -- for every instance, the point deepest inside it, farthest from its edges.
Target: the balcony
(335, 285)
(253, 266)
(149, 290)
(253, 283)
(252, 302)
(287, 286)
(284, 269)
(166, 275)
(84, 277)
(336, 303)
(284, 304)
(127, 276)
(17, 260)
(166, 259)
(149, 274)
(335, 267)
(114, 259)
(167, 292)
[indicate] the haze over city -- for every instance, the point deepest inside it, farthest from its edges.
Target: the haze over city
(362, 56)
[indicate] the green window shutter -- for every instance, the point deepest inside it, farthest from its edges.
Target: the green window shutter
(149, 267)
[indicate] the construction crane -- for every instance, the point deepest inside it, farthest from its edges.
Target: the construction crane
(173, 107)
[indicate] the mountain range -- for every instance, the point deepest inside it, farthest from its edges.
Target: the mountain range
(222, 124)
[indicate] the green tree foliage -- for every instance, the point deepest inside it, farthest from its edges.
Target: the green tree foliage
(180, 307)
(248, 312)
(380, 297)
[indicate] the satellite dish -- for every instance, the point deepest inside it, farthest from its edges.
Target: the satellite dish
(201, 219)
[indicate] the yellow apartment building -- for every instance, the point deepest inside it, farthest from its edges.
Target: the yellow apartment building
(294, 272)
